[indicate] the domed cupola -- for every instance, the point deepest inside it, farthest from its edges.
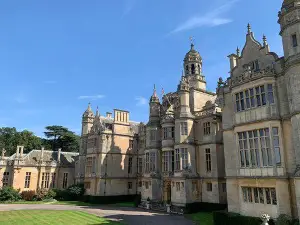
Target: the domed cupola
(193, 62)
(88, 112)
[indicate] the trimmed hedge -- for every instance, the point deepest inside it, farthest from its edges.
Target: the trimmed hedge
(203, 207)
(108, 199)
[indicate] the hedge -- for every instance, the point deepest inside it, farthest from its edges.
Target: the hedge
(203, 207)
(225, 218)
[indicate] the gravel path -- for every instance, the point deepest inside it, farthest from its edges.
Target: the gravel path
(131, 216)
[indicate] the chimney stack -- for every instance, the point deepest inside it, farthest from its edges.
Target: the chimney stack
(108, 114)
(42, 154)
(21, 151)
(58, 155)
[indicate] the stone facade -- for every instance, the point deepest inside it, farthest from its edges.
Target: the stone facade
(260, 104)
(37, 169)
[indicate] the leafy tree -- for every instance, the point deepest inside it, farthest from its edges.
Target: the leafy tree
(9, 139)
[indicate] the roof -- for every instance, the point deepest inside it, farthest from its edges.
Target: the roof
(66, 158)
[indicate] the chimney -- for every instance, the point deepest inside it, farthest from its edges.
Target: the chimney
(58, 155)
(21, 151)
(233, 61)
(42, 154)
(18, 152)
(108, 114)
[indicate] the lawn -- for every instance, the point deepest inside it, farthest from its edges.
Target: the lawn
(37, 217)
(202, 218)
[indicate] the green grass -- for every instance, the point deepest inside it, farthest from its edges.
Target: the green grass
(202, 218)
(37, 217)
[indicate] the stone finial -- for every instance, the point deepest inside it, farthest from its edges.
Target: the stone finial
(265, 40)
(97, 112)
(58, 155)
(3, 153)
(154, 91)
(249, 28)
(237, 51)
(192, 42)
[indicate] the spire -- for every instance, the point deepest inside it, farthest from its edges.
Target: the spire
(249, 28)
(154, 91)
(265, 41)
(89, 107)
(192, 43)
(238, 51)
(154, 97)
(97, 112)
(88, 112)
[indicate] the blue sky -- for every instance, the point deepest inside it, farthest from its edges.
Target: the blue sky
(56, 56)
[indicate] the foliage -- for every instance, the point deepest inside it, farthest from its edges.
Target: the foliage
(50, 194)
(284, 219)
(137, 200)
(28, 195)
(225, 218)
(76, 191)
(9, 194)
(25, 217)
(41, 194)
(203, 207)
(57, 137)
(295, 222)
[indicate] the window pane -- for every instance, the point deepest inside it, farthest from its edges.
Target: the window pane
(268, 197)
(242, 158)
(250, 195)
(261, 195)
(245, 194)
(273, 195)
(256, 195)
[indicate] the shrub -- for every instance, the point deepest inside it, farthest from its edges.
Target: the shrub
(50, 194)
(41, 194)
(75, 191)
(137, 200)
(28, 195)
(9, 194)
(225, 218)
(295, 222)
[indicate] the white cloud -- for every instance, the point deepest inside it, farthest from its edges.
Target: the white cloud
(90, 97)
(210, 19)
(141, 101)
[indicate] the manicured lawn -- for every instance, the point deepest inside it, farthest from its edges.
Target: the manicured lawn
(202, 218)
(37, 217)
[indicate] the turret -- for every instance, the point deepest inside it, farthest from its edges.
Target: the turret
(184, 95)
(154, 106)
(87, 120)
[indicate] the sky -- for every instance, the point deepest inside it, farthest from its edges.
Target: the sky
(57, 56)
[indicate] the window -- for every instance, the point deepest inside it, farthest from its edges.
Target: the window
(152, 135)
(129, 165)
(165, 161)
(259, 195)
(193, 69)
(152, 161)
(53, 177)
(88, 166)
(140, 165)
(94, 165)
(65, 180)
(252, 99)
(146, 185)
(172, 132)
(187, 69)
(270, 94)
(129, 185)
(184, 128)
(181, 159)
(45, 180)
(177, 159)
(177, 186)
(140, 184)
(242, 101)
(5, 179)
(208, 160)
(257, 155)
(263, 95)
(184, 158)
(131, 144)
(276, 146)
(237, 102)
(206, 128)
(27, 180)
(168, 133)
(165, 130)
(147, 163)
(247, 99)
(256, 65)
(258, 98)
(209, 187)
(294, 40)
(224, 187)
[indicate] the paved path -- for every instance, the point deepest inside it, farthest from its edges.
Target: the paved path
(131, 216)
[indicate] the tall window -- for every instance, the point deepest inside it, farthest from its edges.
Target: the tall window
(177, 186)
(129, 165)
(165, 161)
(208, 160)
(165, 130)
(27, 180)
(209, 186)
(252, 99)
(270, 94)
(259, 195)
(168, 133)
(152, 135)
(140, 165)
(129, 185)
(45, 180)
(53, 179)
(184, 128)
(206, 128)
(65, 180)
(131, 144)
(177, 159)
(259, 152)
(247, 99)
(276, 146)
(294, 40)
(181, 158)
(147, 163)
(88, 166)
(94, 165)
(152, 161)
(5, 181)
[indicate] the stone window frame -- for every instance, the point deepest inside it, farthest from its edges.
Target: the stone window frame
(294, 40)
(255, 97)
(259, 195)
(181, 159)
(168, 133)
(130, 163)
(209, 186)
(131, 143)
(65, 180)
(140, 165)
(5, 179)
(27, 180)
(147, 162)
(53, 180)
(129, 185)
(152, 135)
(208, 159)
(260, 147)
(45, 180)
(206, 128)
(184, 128)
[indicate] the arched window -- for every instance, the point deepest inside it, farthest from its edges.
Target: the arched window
(187, 69)
(193, 69)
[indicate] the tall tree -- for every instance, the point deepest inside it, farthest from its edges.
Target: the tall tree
(9, 139)
(54, 133)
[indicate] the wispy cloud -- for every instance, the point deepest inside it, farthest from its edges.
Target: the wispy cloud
(129, 5)
(91, 97)
(210, 19)
(141, 101)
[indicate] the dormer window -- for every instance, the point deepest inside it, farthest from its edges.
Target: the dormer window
(294, 40)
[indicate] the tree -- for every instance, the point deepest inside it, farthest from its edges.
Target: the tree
(9, 139)
(55, 132)
(29, 140)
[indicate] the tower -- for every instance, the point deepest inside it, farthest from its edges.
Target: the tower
(87, 120)
(289, 21)
(154, 106)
